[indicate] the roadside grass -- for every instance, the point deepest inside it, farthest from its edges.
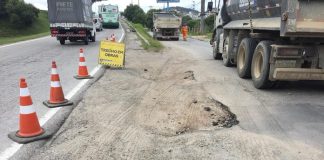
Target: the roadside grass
(40, 28)
(153, 44)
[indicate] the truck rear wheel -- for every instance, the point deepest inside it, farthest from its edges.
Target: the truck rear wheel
(216, 54)
(86, 40)
(62, 41)
(93, 38)
(244, 57)
(228, 49)
(261, 66)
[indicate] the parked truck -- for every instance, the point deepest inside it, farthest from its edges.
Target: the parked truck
(270, 41)
(166, 26)
(71, 20)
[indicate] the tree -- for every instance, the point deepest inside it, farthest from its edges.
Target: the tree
(193, 23)
(135, 14)
(149, 17)
(210, 22)
(20, 14)
(186, 19)
(3, 12)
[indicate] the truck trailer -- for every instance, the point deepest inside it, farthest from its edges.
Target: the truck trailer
(166, 26)
(71, 20)
(270, 41)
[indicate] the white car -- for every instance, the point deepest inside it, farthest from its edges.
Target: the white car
(98, 24)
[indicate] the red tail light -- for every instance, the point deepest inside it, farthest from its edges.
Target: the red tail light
(54, 31)
(82, 32)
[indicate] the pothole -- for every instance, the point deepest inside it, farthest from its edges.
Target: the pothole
(189, 75)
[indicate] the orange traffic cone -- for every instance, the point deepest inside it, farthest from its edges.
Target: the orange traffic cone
(56, 93)
(29, 128)
(83, 70)
(113, 38)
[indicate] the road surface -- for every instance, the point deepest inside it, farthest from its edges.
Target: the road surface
(164, 106)
(292, 111)
(32, 60)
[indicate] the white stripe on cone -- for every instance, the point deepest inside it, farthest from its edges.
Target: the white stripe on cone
(55, 84)
(24, 92)
(82, 64)
(54, 71)
(81, 54)
(27, 109)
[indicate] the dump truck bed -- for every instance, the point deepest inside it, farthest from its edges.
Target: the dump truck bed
(166, 20)
(297, 18)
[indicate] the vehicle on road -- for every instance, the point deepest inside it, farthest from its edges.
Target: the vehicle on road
(98, 24)
(110, 15)
(166, 26)
(271, 41)
(71, 20)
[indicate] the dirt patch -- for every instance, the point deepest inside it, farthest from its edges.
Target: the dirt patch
(189, 75)
(178, 105)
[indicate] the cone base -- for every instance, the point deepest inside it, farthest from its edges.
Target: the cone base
(24, 140)
(55, 105)
(30, 135)
(82, 77)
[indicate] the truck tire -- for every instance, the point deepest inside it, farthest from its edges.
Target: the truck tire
(216, 54)
(244, 57)
(228, 48)
(62, 41)
(260, 65)
(240, 36)
(93, 38)
(86, 40)
(175, 39)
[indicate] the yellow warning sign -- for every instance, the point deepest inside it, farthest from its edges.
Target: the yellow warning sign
(112, 54)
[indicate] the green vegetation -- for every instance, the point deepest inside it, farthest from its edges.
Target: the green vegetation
(135, 14)
(194, 26)
(153, 44)
(209, 21)
(10, 34)
(186, 19)
(18, 13)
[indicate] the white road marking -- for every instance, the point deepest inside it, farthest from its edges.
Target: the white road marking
(6, 154)
(22, 42)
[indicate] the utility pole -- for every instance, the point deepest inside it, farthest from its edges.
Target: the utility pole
(193, 5)
(168, 6)
(138, 2)
(202, 17)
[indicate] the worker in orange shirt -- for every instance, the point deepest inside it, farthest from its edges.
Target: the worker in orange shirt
(184, 30)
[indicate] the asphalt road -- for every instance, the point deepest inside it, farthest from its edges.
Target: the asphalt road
(32, 60)
(292, 112)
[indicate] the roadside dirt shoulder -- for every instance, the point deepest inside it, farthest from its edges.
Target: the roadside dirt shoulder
(155, 108)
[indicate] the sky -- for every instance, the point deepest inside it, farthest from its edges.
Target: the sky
(145, 4)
